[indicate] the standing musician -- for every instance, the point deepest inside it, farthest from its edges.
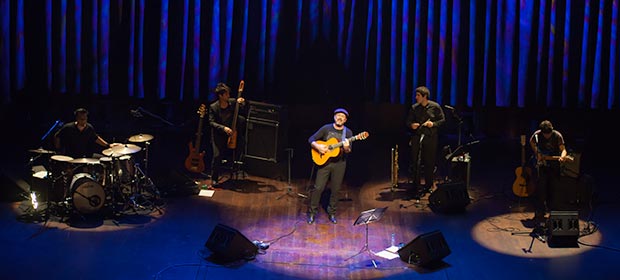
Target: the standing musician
(335, 168)
(76, 139)
(548, 146)
(424, 119)
(221, 118)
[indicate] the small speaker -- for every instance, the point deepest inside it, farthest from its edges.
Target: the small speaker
(563, 228)
(425, 250)
(228, 244)
(449, 198)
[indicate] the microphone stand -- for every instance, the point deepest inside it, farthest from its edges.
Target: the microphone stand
(140, 109)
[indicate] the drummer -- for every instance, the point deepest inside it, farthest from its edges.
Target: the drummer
(77, 139)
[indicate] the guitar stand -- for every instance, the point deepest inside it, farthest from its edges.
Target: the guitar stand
(289, 188)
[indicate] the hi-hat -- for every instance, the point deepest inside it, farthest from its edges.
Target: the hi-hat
(41, 151)
(141, 138)
(85, 160)
(121, 150)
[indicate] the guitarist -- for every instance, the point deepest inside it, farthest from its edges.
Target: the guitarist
(332, 171)
(547, 142)
(221, 114)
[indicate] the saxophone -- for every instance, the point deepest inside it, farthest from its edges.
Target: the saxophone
(395, 167)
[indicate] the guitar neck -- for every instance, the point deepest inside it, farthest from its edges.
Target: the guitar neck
(199, 133)
(341, 143)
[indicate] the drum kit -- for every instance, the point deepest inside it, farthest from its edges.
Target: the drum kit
(114, 182)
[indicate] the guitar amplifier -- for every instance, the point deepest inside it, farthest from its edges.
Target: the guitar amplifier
(264, 112)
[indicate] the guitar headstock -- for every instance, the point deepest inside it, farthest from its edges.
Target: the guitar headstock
(361, 136)
(241, 85)
(202, 110)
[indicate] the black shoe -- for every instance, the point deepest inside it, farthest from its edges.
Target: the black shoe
(332, 218)
(311, 219)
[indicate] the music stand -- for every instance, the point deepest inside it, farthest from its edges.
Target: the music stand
(367, 217)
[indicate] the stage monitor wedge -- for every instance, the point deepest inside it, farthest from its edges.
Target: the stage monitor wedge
(425, 250)
(228, 244)
(449, 198)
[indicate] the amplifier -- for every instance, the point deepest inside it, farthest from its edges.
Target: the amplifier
(264, 111)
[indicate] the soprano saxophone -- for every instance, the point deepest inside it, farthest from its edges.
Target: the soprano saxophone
(395, 167)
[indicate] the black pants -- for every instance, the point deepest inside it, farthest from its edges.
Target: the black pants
(423, 153)
(546, 186)
(334, 173)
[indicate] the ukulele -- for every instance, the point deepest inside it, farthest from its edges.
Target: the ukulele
(523, 185)
(194, 161)
(334, 148)
(232, 139)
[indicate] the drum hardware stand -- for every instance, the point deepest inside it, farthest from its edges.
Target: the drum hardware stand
(146, 157)
(289, 188)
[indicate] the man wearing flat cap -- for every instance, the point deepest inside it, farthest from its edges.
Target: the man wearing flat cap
(333, 170)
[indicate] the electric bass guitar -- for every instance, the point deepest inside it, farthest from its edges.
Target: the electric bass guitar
(194, 161)
(232, 139)
(334, 148)
(523, 185)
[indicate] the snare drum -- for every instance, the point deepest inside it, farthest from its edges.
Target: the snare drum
(87, 195)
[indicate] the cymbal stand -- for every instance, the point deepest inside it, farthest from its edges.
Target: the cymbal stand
(146, 157)
(145, 184)
(289, 188)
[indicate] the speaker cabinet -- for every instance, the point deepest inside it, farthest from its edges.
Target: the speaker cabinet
(425, 250)
(228, 244)
(563, 229)
(449, 198)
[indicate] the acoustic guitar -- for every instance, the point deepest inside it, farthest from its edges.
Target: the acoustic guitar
(232, 139)
(334, 148)
(194, 161)
(523, 185)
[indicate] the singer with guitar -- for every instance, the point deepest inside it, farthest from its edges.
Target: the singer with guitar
(549, 148)
(333, 170)
(224, 117)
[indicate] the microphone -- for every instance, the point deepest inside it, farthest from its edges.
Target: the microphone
(449, 107)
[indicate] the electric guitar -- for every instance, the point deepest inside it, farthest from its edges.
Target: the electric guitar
(334, 148)
(232, 139)
(543, 159)
(523, 185)
(194, 161)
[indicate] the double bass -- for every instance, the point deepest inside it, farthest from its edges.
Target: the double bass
(232, 138)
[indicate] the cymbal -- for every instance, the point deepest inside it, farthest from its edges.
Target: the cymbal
(41, 151)
(85, 160)
(121, 150)
(141, 138)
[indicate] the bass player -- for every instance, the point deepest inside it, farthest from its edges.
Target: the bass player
(222, 114)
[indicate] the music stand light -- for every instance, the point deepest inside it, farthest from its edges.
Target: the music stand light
(365, 218)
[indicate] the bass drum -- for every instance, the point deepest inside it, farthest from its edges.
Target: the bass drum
(87, 195)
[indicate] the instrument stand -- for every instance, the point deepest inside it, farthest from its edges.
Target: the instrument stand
(289, 188)
(146, 157)
(367, 217)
